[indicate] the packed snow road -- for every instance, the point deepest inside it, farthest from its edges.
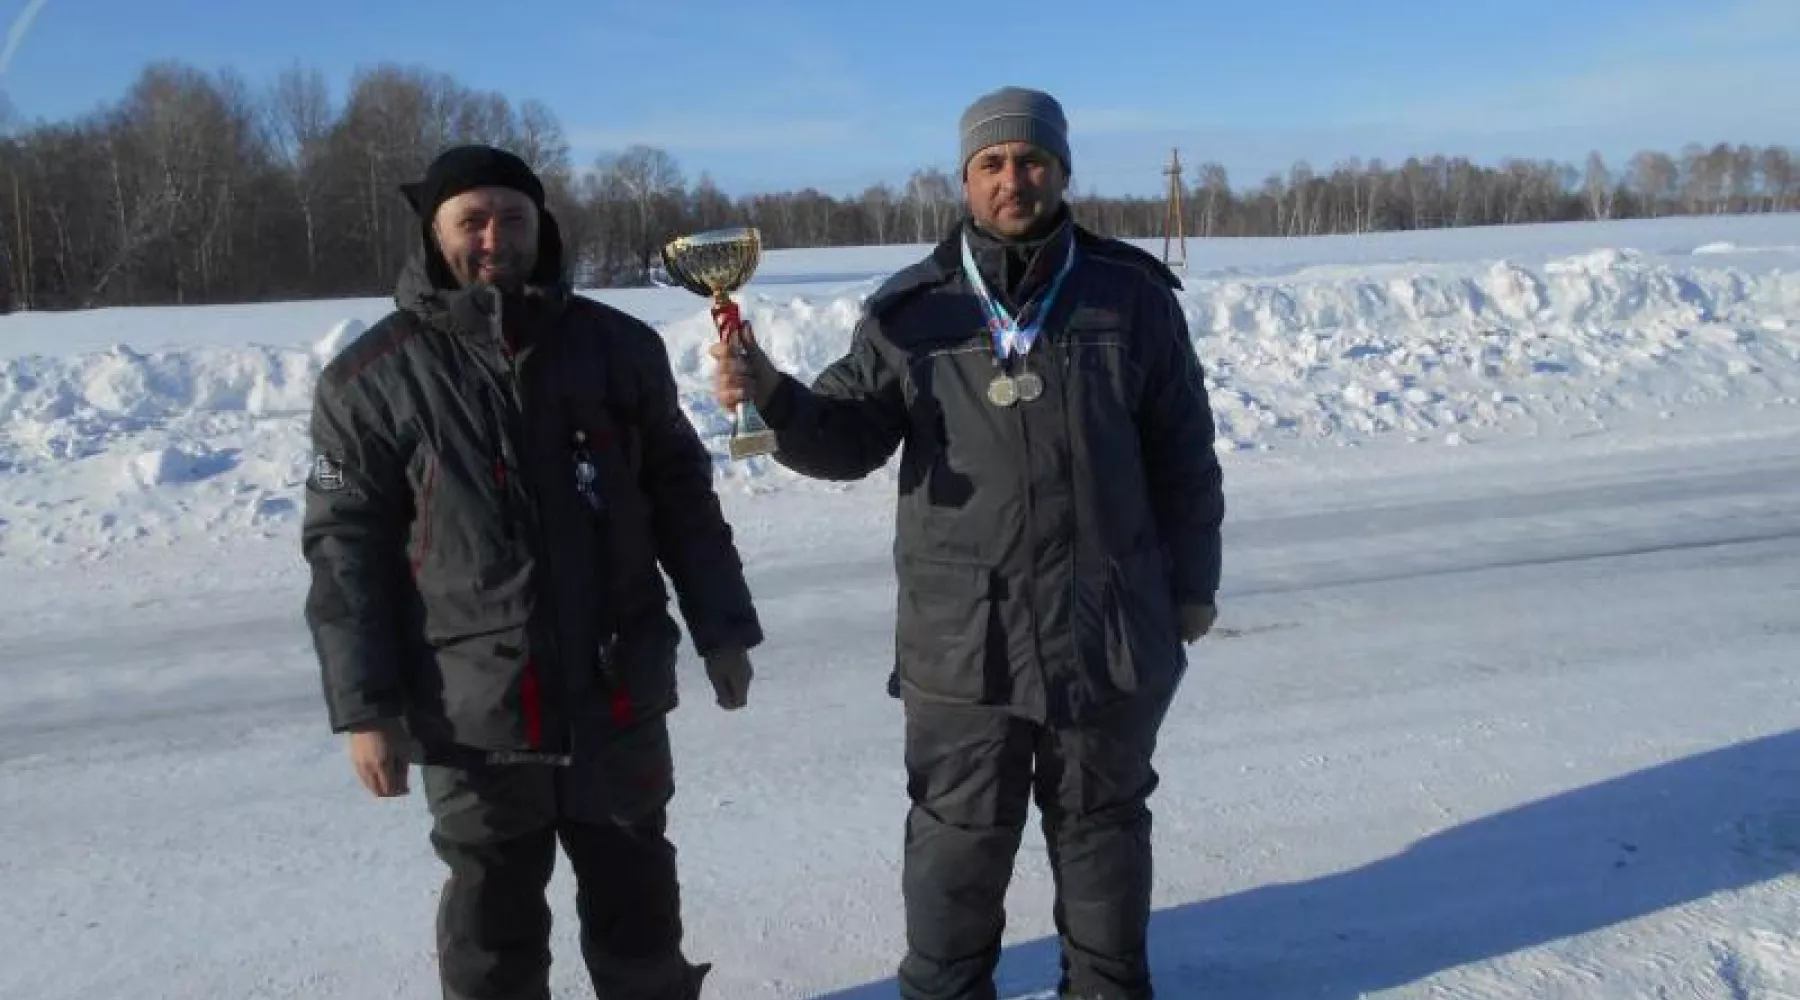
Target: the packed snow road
(1525, 725)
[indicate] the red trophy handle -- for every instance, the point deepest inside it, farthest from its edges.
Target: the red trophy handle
(730, 322)
(749, 434)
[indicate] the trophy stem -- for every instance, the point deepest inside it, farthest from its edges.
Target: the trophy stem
(750, 434)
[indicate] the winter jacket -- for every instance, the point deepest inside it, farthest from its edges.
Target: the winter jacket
(1041, 548)
(487, 516)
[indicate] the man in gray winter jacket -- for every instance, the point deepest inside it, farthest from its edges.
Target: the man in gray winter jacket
(502, 474)
(1057, 543)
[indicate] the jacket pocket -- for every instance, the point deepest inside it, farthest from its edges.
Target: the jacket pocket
(474, 693)
(1143, 641)
(623, 773)
(942, 628)
(641, 667)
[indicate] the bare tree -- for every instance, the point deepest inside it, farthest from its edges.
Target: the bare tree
(299, 119)
(1301, 221)
(1655, 179)
(175, 147)
(384, 138)
(879, 210)
(1709, 186)
(540, 141)
(471, 116)
(1781, 182)
(709, 207)
(15, 243)
(196, 187)
(651, 182)
(1743, 170)
(395, 119)
(598, 234)
(1597, 186)
(931, 201)
(1214, 197)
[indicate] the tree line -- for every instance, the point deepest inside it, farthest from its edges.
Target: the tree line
(198, 187)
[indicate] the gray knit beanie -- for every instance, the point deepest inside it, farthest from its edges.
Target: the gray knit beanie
(1015, 114)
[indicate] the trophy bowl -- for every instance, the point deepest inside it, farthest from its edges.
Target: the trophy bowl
(714, 264)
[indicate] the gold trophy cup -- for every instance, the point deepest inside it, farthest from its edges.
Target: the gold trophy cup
(715, 263)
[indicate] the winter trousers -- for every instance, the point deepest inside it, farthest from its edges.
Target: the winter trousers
(972, 773)
(497, 829)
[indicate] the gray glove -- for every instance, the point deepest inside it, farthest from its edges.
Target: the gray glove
(1197, 620)
(730, 673)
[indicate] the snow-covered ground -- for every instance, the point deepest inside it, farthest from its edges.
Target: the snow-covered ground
(157, 427)
(1503, 701)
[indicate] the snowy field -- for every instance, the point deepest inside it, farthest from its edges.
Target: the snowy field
(1503, 702)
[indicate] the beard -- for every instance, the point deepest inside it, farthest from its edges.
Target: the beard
(506, 269)
(1020, 216)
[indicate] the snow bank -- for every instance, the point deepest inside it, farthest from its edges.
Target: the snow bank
(166, 466)
(1431, 352)
(1335, 350)
(124, 386)
(1583, 338)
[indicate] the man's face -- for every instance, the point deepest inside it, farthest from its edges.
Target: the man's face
(1012, 187)
(488, 234)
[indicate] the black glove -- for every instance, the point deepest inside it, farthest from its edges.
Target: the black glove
(730, 673)
(1197, 620)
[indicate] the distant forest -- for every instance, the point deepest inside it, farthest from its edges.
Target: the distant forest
(201, 187)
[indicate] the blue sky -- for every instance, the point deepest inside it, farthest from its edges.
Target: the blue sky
(767, 94)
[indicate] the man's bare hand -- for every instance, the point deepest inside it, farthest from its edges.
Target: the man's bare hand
(743, 375)
(378, 753)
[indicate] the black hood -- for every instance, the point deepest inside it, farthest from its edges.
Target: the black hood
(427, 289)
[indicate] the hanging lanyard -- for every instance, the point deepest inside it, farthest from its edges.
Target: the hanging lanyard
(1009, 337)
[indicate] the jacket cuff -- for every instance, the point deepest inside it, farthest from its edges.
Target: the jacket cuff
(745, 637)
(347, 717)
(778, 412)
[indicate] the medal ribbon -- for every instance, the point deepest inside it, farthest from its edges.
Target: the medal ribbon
(1009, 337)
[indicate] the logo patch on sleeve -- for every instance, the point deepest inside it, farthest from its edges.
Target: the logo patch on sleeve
(328, 474)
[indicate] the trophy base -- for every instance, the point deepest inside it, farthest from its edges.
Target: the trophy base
(750, 436)
(750, 444)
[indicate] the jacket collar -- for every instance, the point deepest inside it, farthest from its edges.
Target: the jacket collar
(1015, 271)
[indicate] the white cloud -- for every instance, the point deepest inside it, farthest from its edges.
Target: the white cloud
(21, 27)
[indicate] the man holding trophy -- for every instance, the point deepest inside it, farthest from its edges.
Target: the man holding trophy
(1058, 541)
(502, 476)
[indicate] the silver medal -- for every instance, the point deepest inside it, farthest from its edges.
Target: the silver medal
(1011, 340)
(1029, 385)
(1003, 390)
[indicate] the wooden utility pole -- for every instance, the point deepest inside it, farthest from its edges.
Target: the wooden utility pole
(1174, 227)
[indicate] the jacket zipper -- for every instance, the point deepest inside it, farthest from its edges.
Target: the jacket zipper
(1031, 556)
(512, 426)
(1075, 563)
(532, 679)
